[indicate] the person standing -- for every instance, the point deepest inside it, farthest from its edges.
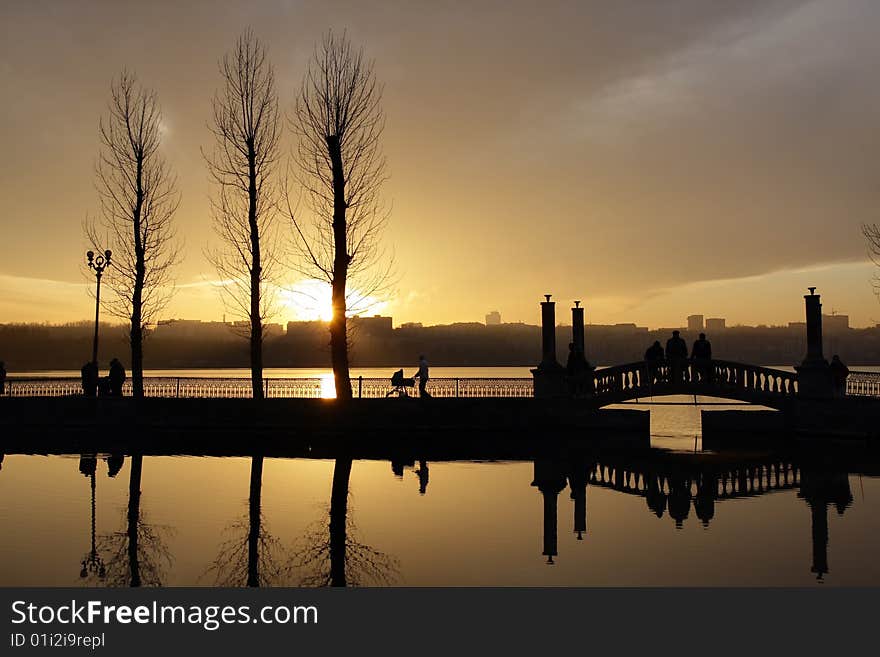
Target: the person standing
(701, 353)
(90, 379)
(839, 372)
(676, 354)
(422, 376)
(117, 377)
(654, 359)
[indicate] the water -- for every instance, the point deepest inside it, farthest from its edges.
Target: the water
(476, 524)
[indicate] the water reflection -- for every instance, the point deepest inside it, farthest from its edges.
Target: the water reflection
(136, 555)
(675, 485)
(682, 493)
(335, 556)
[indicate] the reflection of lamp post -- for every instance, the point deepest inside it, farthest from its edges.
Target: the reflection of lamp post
(99, 264)
(92, 562)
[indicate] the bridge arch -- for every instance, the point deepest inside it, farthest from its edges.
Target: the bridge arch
(711, 378)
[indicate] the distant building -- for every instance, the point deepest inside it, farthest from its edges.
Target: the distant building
(835, 323)
(177, 329)
(411, 325)
(716, 324)
(799, 326)
(695, 323)
(493, 318)
(375, 326)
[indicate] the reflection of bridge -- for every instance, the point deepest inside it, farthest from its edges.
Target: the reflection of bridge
(673, 483)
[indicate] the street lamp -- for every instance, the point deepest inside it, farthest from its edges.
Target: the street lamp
(99, 263)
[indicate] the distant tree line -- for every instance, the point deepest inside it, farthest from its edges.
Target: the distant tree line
(39, 347)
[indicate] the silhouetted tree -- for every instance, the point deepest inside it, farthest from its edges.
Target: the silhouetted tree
(139, 555)
(872, 234)
(139, 197)
(245, 125)
(251, 556)
(338, 119)
(332, 555)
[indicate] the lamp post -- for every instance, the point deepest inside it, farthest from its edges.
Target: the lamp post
(99, 263)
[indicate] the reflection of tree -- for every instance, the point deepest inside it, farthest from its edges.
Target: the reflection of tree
(339, 559)
(137, 556)
(251, 556)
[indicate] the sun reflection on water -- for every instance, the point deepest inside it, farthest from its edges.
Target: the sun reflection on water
(328, 386)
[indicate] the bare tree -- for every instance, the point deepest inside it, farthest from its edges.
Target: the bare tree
(251, 555)
(872, 234)
(332, 555)
(245, 125)
(339, 121)
(139, 197)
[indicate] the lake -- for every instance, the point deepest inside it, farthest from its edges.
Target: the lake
(670, 516)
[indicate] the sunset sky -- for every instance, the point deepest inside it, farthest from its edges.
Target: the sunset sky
(653, 159)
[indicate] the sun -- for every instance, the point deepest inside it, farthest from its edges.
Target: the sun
(311, 300)
(307, 300)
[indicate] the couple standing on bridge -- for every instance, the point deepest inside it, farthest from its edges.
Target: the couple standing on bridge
(676, 354)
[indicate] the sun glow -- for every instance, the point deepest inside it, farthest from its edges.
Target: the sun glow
(328, 386)
(311, 300)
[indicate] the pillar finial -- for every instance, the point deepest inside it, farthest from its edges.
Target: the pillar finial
(577, 304)
(547, 296)
(812, 290)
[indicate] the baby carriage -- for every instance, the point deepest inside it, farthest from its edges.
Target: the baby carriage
(400, 384)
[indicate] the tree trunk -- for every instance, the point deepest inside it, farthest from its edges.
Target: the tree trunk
(338, 331)
(134, 512)
(338, 513)
(253, 578)
(256, 276)
(136, 335)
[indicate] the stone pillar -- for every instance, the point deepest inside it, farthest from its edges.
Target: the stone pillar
(550, 480)
(548, 376)
(814, 328)
(548, 333)
(814, 374)
(577, 327)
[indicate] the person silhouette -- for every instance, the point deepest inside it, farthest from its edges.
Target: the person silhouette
(89, 373)
(676, 354)
(422, 376)
(654, 358)
(701, 353)
(117, 377)
(839, 372)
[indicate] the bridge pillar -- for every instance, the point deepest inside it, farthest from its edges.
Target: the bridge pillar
(577, 327)
(814, 374)
(548, 376)
(550, 479)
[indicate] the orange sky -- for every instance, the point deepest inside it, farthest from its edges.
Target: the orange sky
(652, 159)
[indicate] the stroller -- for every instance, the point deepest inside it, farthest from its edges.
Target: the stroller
(400, 384)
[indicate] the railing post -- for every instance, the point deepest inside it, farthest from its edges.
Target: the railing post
(266, 395)
(456, 388)
(360, 386)
(177, 394)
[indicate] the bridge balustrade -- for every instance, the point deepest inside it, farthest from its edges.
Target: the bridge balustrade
(710, 378)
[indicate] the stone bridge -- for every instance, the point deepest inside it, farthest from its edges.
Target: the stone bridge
(710, 378)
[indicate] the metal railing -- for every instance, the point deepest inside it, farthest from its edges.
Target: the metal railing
(631, 380)
(863, 384)
(276, 388)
